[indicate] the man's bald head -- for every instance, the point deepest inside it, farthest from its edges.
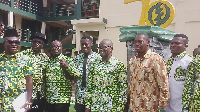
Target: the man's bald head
(105, 48)
(107, 42)
(56, 48)
(56, 42)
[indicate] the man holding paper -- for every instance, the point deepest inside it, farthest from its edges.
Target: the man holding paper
(38, 60)
(15, 74)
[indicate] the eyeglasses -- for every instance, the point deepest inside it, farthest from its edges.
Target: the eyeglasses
(36, 41)
(138, 42)
(56, 47)
(13, 41)
(104, 47)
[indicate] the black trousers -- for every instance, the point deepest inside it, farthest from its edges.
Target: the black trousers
(38, 105)
(79, 107)
(58, 107)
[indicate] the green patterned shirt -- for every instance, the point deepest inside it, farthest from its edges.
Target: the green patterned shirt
(38, 63)
(191, 93)
(197, 56)
(58, 87)
(13, 70)
(171, 60)
(107, 86)
(81, 92)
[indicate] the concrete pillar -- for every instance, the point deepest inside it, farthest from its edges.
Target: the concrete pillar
(78, 38)
(73, 40)
(18, 23)
(97, 41)
(43, 27)
(44, 3)
(1, 19)
(10, 19)
(43, 31)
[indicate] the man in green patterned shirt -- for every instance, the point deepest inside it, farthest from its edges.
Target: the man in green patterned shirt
(58, 85)
(83, 62)
(107, 91)
(196, 52)
(15, 73)
(191, 96)
(38, 60)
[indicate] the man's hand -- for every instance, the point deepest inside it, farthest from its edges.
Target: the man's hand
(63, 64)
(87, 110)
(161, 110)
(27, 106)
(127, 104)
(126, 108)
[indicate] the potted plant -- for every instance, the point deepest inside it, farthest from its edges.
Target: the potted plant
(86, 4)
(94, 5)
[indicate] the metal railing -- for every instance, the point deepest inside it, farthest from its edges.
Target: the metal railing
(60, 34)
(56, 10)
(70, 11)
(25, 5)
(25, 34)
(90, 9)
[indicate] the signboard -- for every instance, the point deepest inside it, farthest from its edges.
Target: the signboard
(159, 13)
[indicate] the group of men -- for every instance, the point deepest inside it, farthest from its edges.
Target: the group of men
(47, 79)
(102, 85)
(155, 85)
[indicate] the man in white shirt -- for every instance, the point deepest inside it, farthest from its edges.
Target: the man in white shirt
(177, 71)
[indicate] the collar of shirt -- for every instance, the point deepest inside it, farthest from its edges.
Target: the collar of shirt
(180, 55)
(57, 58)
(146, 56)
(81, 56)
(171, 61)
(182, 61)
(197, 56)
(109, 61)
(112, 61)
(32, 52)
(15, 56)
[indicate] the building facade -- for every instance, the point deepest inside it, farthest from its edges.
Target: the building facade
(69, 20)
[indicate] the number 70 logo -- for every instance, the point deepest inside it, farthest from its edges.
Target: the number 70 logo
(159, 13)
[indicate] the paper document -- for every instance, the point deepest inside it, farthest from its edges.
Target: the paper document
(19, 102)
